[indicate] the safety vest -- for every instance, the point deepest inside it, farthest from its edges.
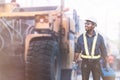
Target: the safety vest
(88, 56)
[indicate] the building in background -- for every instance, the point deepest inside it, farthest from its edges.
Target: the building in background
(2, 1)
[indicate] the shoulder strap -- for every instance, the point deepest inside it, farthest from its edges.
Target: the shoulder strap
(93, 45)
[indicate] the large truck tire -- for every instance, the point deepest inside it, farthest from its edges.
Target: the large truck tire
(43, 61)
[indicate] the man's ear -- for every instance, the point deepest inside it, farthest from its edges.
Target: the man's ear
(95, 24)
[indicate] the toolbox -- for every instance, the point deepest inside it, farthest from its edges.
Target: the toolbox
(108, 73)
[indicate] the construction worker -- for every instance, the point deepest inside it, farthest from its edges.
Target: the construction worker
(91, 47)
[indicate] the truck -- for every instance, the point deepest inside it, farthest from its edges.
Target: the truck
(44, 35)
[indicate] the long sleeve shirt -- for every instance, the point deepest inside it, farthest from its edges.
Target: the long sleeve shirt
(100, 48)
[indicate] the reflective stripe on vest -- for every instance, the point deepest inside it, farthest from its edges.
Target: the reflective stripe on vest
(92, 56)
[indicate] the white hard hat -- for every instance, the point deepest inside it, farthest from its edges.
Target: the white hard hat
(92, 19)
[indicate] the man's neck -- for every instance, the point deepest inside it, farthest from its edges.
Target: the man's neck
(90, 33)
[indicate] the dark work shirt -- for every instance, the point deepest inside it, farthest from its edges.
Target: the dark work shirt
(99, 48)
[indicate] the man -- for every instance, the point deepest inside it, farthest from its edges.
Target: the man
(91, 47)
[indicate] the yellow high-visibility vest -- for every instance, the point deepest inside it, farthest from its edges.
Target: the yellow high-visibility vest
(88, 56)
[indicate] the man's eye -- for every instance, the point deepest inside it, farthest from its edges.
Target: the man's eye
(88, 23)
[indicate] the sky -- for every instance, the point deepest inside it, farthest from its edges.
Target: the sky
(106, 12)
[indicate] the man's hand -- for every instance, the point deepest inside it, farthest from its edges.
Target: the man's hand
(110, 59)
(76, 57)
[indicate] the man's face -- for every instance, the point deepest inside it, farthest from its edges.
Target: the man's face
(89, 25)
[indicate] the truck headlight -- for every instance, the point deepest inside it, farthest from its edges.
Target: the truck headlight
(42, 21)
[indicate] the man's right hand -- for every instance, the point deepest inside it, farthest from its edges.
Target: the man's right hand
(76, 57)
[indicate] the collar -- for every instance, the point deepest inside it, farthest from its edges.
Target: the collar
(93, 34)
